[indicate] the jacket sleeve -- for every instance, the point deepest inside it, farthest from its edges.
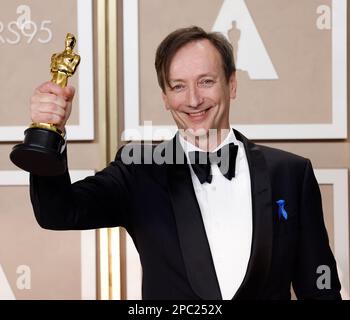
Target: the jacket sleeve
(96, 202)
(316, 274)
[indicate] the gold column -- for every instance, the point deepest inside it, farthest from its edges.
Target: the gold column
(109, 282)
(102, 234)
(112, 138)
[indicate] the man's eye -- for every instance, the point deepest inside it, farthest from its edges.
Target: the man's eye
(177, 87)
(207, 82)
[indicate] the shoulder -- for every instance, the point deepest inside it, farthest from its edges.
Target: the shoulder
(138, 152)
(144, 161)
(273, 156)
(277, 155)
(278, 160)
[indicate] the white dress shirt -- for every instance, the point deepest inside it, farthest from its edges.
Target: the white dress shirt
(226, 208)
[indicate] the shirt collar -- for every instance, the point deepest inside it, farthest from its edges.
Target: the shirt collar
(187, 146)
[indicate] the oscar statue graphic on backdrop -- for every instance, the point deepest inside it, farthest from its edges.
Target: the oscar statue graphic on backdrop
(40, 152)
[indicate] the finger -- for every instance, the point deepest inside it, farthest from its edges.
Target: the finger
(48, 108)
(50, 87)
(48, 98)
(48, 118)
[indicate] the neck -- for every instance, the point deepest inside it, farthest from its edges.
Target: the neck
(209, 141)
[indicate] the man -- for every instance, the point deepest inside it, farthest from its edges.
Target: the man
(243, 228)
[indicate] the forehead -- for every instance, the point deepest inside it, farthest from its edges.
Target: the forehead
(197, 57)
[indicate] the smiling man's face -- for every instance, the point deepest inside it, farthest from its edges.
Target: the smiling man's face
(198, 95)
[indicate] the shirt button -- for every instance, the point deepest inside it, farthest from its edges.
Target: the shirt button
(213, 188)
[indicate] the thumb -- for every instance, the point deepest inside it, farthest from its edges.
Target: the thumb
(69, 92)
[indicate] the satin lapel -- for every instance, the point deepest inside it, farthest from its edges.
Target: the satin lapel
(260, 258)
(192, 236)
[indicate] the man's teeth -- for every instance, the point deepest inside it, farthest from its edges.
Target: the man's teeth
(197, 113)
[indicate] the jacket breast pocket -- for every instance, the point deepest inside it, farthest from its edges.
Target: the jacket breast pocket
(289, 226)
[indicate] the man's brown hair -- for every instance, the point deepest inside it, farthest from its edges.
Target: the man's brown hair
(179, 38)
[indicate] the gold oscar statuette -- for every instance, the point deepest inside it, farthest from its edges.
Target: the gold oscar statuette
(40, 152)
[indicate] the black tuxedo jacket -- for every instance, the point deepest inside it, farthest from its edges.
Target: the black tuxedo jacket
(157, 205)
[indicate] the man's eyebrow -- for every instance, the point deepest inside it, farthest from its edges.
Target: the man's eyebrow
(208, 74)
(176, 80)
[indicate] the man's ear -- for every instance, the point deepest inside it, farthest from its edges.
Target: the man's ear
(165, 100)
(233, 85)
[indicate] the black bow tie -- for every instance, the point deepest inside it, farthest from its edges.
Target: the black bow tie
(225, 158)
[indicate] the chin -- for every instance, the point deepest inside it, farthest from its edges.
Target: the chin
(197, 130)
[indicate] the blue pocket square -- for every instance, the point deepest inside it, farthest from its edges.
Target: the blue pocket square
(281, 211)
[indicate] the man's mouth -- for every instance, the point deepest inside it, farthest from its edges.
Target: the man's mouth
(198, 115)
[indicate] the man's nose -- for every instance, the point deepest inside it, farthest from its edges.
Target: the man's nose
(194, 97)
